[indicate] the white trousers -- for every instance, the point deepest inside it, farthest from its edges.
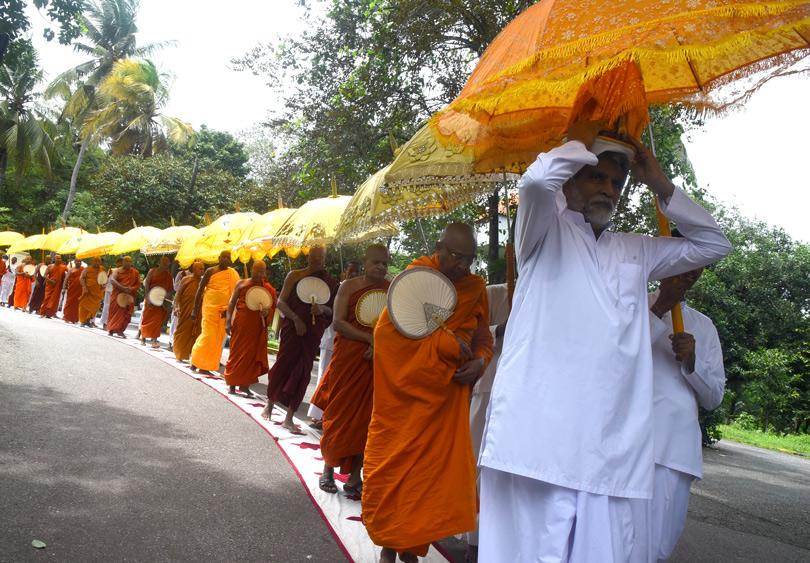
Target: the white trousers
(526, 520)
(660, 521)
(478, 420)
(325, 357)
(6, 283)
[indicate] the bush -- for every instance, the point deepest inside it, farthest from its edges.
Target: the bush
(746, 421)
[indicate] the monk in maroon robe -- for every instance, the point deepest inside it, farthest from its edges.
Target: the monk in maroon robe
(38, 291)
(300, 337)
(155, 315)
(125, 280)
(73, 292)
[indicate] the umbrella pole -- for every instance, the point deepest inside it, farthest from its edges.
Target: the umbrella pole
(340, 255)
(665, 231)
(424, 238)
(509, 253)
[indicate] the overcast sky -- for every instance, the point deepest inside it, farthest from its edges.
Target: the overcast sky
(757, 159)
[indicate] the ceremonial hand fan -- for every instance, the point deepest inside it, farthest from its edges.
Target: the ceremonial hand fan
(30, 269)
(257, 298)
(420, 300)
(102, 278)
(124, 300)
(313, 290)
(370, 306)
(42, 270)
(156, 296)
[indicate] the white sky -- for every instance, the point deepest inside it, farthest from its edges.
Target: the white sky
(757, 159)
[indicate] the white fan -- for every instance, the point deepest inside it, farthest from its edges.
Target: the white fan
(30, 269)
(124, 300)
(420, 300)
(370, 306)
(102, 278)
(313, 290)
(156, 297)
(42, 270)
(257, 298)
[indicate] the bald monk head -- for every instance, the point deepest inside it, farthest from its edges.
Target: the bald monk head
(225, 259)
(164, 263)
(353, 269)
(96, 261)
(456, 250)
(126, 262)
(119, 262)
(197, 268)
(375, 262)
(57, 259)
(316, 259)
(259, 271)
(76, 262)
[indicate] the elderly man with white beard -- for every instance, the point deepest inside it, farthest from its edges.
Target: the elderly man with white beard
(569, 439)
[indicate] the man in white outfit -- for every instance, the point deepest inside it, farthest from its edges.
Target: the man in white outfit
(569, 438)
(687, 372)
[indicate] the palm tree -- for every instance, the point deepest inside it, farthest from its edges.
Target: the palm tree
(26, 135)
(110, 36)
(129, 101)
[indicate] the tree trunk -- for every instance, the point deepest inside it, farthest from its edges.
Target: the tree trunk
(493, 203)
(74, 178)
(3, 167)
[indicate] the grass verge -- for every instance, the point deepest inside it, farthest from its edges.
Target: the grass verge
(791, 443)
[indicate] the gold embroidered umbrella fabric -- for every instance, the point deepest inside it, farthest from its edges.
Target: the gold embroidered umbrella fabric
(34, 242)
(133, 240)
(255, 245)
(224, 233)
(57, 237)
(566, 59)
(97, 245)
(10, 237)
(169, 240)
(370, 206)
(313, 224)
(72, 245)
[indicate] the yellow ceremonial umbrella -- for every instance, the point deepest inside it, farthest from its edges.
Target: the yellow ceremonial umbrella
(169, 240)
(72, 245)
(254, 245)
(34, 242)
(313, 224)
(133, 240)
(58, 237)
(224, 233)
(188, 251)
(10, 237)
(97, 245)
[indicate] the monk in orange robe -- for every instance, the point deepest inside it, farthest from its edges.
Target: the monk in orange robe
(188, 329)
(248, 331)
(211, 302)
(419, 466)
(346, 391)
(154, 315)
(54, 278)
(92, 293)
(125, 280)
(300, 335)
(73, 292)
(22, 285)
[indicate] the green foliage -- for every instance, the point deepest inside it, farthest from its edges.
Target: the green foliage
(215, 150)
(150, 190)
(64, 13)
(792, 443)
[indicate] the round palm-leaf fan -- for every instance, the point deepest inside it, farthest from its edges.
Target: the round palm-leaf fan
(370, 306)
(314, 291)
(42, 269)
(102, 278)
(156, 296)
(30, 269)
(257, 298)
(124, 300)
(420, 300)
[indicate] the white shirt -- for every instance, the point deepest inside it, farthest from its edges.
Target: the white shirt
(572, 403)
(677, 394)
(498, 298)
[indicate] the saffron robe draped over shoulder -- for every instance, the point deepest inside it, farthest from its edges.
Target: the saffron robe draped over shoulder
(289, 376)
(22, 288)
(53, 289)
(346, 393)
(153, 317)
(89, 303)
(120, 316)
(187, 330)
(247, 359)
(37, 292)
(70, 312)
(207, 350)
(419, 468)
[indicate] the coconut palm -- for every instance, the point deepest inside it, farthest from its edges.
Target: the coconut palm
(26, 135)
(129, 102)
(109, 36)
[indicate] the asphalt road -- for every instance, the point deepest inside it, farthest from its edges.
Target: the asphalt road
(107, 454)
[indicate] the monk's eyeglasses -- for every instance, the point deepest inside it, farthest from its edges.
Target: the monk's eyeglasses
(458, 256)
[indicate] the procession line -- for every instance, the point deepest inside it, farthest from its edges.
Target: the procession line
(340, 513)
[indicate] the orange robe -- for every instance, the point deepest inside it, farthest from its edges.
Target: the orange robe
(247, 359)
(346, 393)
(187, 330)
(120, 316)
(22, 288)
(207, 350)
(70, 312)
(153, 317)
(53, 291)
(419, 473)
(89, 303)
